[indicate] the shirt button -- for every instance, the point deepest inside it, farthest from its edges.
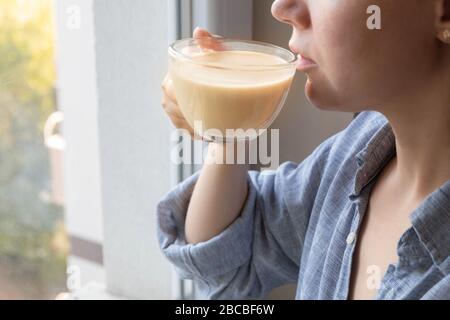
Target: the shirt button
(351, 238)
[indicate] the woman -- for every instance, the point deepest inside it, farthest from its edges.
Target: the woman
(367, 215)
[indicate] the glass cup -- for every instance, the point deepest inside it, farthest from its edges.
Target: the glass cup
(232, 92)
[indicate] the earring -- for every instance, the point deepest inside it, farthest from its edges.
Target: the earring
(443, 27)
(444, 35)
(447, 34)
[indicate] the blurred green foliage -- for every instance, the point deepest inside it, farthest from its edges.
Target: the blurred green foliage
(32, 257)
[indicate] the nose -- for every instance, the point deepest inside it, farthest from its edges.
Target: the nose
(292, 12)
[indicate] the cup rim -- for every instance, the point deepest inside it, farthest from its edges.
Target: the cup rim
(180, 55)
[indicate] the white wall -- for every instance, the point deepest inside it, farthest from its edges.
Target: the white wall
(131, 55)
(77, 98)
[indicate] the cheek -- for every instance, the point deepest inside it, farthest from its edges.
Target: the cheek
(344, 48)
(361, 67)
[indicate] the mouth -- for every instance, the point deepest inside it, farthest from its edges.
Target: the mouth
(305, 63)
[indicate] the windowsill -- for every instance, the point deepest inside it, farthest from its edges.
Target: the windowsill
(91, 291)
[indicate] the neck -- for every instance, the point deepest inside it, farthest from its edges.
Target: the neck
(421, 124)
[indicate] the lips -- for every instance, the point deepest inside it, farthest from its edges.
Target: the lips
(303, 62)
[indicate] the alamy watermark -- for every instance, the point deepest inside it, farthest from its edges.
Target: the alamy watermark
(374, 277)
(73, 281)
(73, 21)
(239, 146)
(374, 20)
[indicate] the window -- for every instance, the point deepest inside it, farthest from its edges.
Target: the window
(33, 242)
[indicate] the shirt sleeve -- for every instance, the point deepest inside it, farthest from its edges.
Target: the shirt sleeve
(261, 249)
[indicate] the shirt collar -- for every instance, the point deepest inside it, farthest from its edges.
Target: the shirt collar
(431, 220)
(375, 155)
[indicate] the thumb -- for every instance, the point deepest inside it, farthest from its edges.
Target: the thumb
(207, 41)
(201, 33)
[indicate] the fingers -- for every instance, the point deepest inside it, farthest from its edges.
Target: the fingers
(207, 41)
(167, 87)
(171, 108)
(169, 101)
(201, 33)
(176, 117)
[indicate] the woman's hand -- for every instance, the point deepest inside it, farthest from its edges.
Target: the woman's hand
(169, 100)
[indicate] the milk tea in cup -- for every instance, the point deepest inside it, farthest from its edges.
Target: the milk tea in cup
(230, 94)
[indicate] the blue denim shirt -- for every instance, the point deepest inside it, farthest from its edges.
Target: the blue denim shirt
(300, 222)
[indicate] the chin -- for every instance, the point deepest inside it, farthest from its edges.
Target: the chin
(319, 98)
(328, 101)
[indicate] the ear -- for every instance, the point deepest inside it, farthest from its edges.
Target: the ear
(443, 20)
